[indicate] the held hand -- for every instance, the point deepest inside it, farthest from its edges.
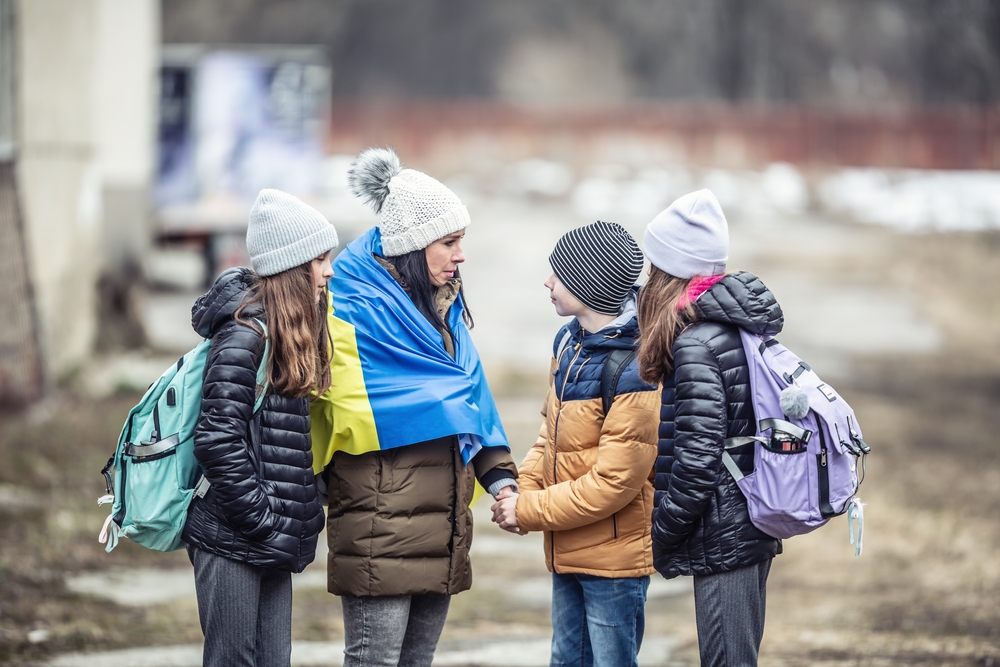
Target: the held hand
(505, 512)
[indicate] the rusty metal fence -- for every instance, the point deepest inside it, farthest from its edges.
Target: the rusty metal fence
(945, 138)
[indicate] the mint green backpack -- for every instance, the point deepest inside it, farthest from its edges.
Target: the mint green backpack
(153, 475)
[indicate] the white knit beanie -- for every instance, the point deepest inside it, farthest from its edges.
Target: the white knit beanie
(414, 209)
(690, 238)
(284, 232)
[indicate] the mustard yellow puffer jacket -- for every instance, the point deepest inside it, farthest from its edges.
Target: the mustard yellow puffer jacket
(587, 481)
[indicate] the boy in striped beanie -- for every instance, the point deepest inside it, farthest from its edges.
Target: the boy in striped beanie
(598, 266)
(594, 500)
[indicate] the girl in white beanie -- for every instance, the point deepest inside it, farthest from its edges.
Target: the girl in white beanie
(690, 313)
(259, 519)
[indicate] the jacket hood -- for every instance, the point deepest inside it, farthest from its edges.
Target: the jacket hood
(741, 299)
(620, 333)
(219, 304)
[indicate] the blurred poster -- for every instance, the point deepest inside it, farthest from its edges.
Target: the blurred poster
(233, 122)
(175, 178)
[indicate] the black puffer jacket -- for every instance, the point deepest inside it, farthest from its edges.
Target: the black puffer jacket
(700, 520)
(264, 512)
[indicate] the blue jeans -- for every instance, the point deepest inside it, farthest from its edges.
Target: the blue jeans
(596, 621)
(392, 631)
(245, 612)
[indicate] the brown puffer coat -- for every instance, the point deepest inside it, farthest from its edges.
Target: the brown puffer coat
(399, 521)
(587, 481)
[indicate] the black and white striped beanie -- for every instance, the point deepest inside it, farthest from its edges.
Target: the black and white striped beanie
(598, 264)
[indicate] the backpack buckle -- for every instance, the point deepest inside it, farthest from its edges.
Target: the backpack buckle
(856, 437)
(109, 479)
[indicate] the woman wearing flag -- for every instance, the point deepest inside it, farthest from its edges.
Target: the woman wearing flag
(408, 425)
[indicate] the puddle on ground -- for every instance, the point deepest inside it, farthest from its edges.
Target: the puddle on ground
(135, 587)
(147, 587)
(15, 498)
(511, 653)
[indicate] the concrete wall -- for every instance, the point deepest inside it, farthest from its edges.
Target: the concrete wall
(86, 114)
(128, 47)
(58, 171)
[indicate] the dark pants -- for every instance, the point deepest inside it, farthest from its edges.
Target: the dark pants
(729, 609)
(245, 612)
(392, 631)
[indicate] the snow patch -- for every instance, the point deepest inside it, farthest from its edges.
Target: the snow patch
(916, 201)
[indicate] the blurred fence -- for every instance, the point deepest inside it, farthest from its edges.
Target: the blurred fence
(946, 138)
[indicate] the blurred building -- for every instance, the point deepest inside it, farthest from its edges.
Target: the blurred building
(126, 125)
(78, 89)
(737, 83)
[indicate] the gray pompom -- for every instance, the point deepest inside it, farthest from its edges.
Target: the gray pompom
(794, 402)
(370, 175)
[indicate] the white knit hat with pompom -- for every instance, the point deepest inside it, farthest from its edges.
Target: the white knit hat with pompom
(414, 209)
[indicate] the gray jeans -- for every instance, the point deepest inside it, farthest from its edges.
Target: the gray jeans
(729, 611)
(394, 631)
(245, 612)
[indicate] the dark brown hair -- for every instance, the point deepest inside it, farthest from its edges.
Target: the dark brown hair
(660, 321)
(299, 362)
(412, 267)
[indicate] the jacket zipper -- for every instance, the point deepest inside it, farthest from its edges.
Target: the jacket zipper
(614, 523)
(555, 439)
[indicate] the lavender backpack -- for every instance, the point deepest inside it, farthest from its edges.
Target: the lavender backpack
(809, 455)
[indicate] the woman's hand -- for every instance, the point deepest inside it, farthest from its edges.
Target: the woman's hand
(505, 511)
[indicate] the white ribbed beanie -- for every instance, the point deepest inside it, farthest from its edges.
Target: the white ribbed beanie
(285, 232)
(690, 238)
(414, 209)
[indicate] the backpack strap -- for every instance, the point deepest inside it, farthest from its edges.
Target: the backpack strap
(788, 427)
(730, 463)
(614, 366)
(727, 458)
(563, 342)
(261, 388)
(260, 391)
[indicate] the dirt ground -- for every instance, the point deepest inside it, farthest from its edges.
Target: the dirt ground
(926, 591)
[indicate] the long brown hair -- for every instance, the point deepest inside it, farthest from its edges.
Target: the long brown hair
(297, 329)
(660, 321)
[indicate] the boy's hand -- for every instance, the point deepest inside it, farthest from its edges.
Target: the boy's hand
(505, 511)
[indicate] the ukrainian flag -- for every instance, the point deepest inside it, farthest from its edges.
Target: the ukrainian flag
(393, 382)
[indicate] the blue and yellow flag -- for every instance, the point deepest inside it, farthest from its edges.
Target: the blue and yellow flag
(393, 382)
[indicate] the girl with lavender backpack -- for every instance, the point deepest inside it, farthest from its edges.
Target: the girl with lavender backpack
(690, 315)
